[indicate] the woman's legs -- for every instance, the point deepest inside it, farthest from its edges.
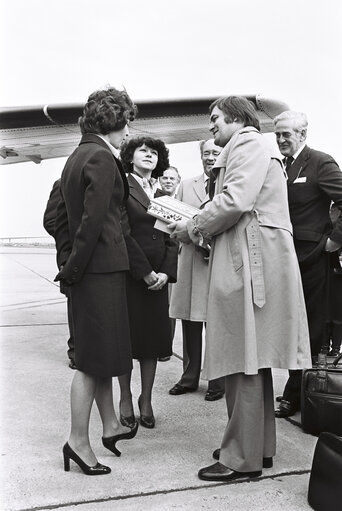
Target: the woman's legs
(82, 396)
(147, 373)
(126, 405)
(104, 401)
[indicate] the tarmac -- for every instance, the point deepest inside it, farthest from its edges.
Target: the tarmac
(158, 468)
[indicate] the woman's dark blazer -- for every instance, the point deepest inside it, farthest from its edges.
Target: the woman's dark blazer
(88, 230)
(148, 248)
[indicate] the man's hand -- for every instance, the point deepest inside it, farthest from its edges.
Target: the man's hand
(162, 280)
(179, 231)
(331, 246)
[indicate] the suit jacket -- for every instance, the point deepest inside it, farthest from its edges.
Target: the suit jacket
(148, 248)
(314, 180)
(189, 295)
(51, 208)
(88, 235)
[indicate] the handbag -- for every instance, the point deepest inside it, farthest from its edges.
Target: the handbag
(325, 485)
(321, 400)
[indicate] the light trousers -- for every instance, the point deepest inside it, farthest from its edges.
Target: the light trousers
(250, 434)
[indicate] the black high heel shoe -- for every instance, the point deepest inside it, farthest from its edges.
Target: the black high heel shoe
(266, 462)
(109, 442)
(96, 470)
(129, 421)
(148, 421)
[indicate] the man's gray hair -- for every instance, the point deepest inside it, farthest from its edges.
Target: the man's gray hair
(300, 119)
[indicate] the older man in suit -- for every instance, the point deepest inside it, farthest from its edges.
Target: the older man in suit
(314, 180)
(189, 294)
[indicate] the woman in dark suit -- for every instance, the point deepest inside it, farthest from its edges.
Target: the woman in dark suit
(93, 261)
(153, 263)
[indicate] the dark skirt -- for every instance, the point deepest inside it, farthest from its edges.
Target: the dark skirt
(149, 320)
(101, 326)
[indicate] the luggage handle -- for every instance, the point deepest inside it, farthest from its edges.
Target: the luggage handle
(337, 359)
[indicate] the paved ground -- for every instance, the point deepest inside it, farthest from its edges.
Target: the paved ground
(157, 470)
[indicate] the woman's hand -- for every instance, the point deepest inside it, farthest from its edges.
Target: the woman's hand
(162, 280)
(179, 231)
(151, 278)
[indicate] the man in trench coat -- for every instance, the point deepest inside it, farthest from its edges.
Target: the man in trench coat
(190, 293)
(256, 317)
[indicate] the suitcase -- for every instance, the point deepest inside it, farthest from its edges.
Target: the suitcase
(321, 400)
(325, 486)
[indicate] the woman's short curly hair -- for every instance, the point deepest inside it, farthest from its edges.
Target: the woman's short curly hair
(107, 110)
(128, 148)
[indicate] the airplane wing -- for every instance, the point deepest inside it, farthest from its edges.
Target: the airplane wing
(52, 131)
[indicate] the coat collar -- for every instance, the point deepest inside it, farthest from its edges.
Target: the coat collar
(221, 160)
(137, 192)
(91, 138)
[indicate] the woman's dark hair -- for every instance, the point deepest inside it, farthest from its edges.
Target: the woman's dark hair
(239, 108)
(128, 148)
(107, 110)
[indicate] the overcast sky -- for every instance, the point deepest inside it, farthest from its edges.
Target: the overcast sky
(60, 51)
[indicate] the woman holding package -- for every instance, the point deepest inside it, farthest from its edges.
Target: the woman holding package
(256, 317)
(93, 262)
(153, 264)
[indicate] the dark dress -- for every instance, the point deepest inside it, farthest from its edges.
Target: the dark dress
(92, 255)
(148, 249)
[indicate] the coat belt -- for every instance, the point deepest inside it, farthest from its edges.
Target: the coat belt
(255, 259)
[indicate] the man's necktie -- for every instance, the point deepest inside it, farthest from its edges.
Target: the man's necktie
(289, 161)
(207, 186)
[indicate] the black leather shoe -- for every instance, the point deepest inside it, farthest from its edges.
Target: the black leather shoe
(163, 359)
(72, 364)
(266, 462)
(213, 395)
(110, 442)
(178, 389)
(285, 409)
(219, 472)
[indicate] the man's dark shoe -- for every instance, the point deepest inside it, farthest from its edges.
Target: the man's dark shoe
(163, 359)
(266, 462)
(72, 364)
(285, 409)
(178, 389)
(213, 395)
(219, 472)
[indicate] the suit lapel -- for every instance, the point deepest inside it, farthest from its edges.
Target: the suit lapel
(199, 188)
(137, 192)
(299, 164)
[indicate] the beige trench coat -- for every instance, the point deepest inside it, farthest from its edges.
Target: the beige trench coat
(256, 314)
(189, 294)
